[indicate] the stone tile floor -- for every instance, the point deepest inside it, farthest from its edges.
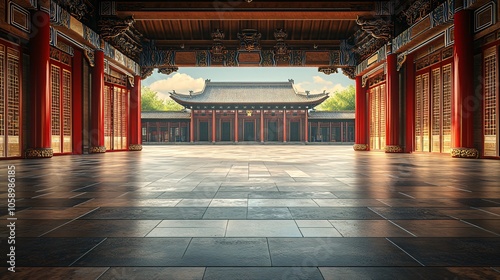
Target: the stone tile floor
(254, 212)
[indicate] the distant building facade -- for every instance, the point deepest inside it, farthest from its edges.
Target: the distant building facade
(248, 112)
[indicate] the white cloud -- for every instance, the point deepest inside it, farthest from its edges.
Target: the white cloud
(318, 85)
(180, 82)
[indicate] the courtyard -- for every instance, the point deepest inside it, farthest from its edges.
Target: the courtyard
(254, 212)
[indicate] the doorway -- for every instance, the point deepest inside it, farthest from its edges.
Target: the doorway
(249, 131)
(272, 131)
(203, 131)
(294, 131)
(226, 131)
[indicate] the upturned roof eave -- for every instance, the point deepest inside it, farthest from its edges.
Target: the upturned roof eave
(184, 102)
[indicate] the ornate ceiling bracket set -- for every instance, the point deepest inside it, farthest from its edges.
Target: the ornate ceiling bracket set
(119, 41)
(426, 21)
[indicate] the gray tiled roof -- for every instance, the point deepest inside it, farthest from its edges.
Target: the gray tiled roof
(331, 115)
(166, 115)
(249, 93)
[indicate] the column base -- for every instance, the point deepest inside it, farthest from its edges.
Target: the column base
(135, 147)
(360, 147)
(393, 149)
(464, 153)
(39, 153)
(97, 149)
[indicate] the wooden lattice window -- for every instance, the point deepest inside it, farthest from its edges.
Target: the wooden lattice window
(116, 119)
(447, 81)
(418, 113)
(13, 103)
(371, 98)
(55, 76)
(377, 117)
(2, 101)
(107, 117)
(382, 115)
(436, 110)
(490, 102)
(124, 109)
(425, 112)
(66, 111)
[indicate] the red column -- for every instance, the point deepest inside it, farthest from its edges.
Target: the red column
(135, 116)
(213, 126)
(360, 120)
(392, 122)
(236, 126)
(261, 125)
(191, 127)
(284, 126)
(97, 107)
(40, 84)
(410, 104)
(462, 106)
(307, 127)
(77, 135)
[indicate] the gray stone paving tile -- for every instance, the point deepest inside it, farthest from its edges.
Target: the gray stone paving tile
(234, 195)
(32, 228)
(194, 223)
(348, 202)
(48, 251)
(166, 273)
(259, 273)
(225, 213)
(262, 228)
(53, 273)
(409, 273)
(104, 228)
(136, 252)
(369, 228)
(313, 223)
(319, 232)
(269, 213)
(147, 213)
(329, 213)
(119, 202)
(227, 202)
(188, 195)
(472, 214)
(281, 203)
(264, 195)
(443, 228)
(227, 252)
(337, 252)
(194, 203)
(490, 225)
(452, 251)
(392, 213)
(187, 232)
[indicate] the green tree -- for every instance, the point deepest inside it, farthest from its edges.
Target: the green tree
(339, 101)
(171, 105)
(151, 102)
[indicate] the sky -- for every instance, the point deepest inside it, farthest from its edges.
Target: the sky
(193, 78)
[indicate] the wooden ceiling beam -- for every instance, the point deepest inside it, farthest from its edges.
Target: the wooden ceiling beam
(291, 43)
(243, 15)
(352, 5)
